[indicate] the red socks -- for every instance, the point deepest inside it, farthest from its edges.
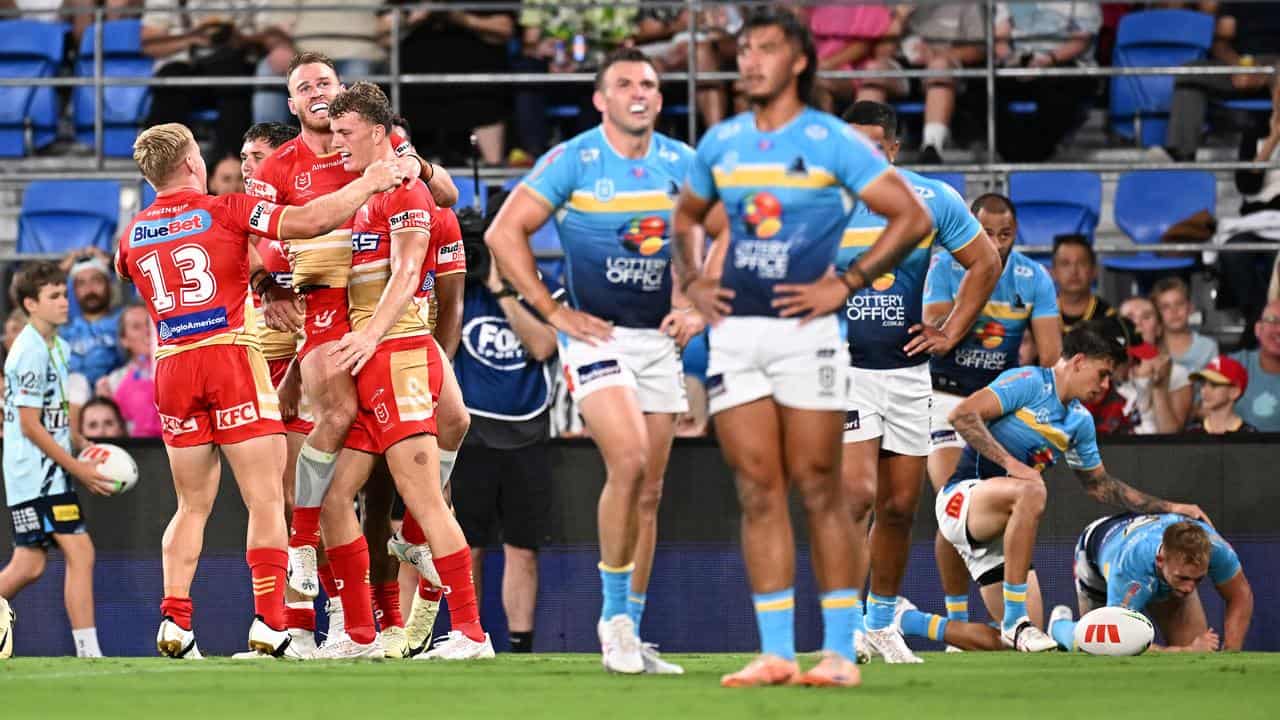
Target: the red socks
(464, 611)
(411, 531)
(326, 580)
(267, 566)
(429, 593)
(179, 609)
(305, 529)
(300, 618)
(350, 565)
(386, 604)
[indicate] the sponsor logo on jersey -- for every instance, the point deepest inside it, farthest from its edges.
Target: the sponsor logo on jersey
(177, 426)
(260, 220)
(381, 414)
(852, 420)
(258, 188)
(492, 342)
(323, 319)
(953, 506)
(451, 253)
(888, 310)
(715, 385)
(644, 235)
(150, 232)
(604, 189)
(990, 334)
(1024, 271)
(1041, 457)
(25, 520)
(648, 274)
(192, 324)
(798, 167)
(768, 259)
(816, 132)
(364, 242)
(669, 155)
(415, 218)
(884, 282)
(762, 212)
(303, 180)
(428, 283)
(588, 155)
(595, 371)
(236, 416)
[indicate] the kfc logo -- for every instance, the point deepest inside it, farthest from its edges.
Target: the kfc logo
(177, 426)
(237, 416)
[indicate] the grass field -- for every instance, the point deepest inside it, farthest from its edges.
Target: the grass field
(567, 687)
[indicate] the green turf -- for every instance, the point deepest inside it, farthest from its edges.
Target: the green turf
(566, 687)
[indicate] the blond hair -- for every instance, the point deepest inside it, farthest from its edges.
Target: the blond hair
(160, 148)
(1188, 540)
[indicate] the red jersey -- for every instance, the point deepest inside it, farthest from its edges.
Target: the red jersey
(445, 256)
(276, 345)
(294, 175)
(188, 256)
(404, 209)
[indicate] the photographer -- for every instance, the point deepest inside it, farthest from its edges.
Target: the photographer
(503, 366)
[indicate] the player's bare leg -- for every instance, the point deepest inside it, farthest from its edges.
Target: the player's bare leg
(898, 481)
(956, 633)
(519, 587)
(858, 468)
(452, 420)
(26, 565)
(77, 594)
(661, 431)
(951, 569)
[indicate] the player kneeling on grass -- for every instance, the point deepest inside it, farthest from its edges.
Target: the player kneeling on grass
(188, 255)
(1152, 564)
(43, 506)
(989, 510)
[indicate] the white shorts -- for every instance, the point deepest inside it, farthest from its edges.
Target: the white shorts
(952, 511)
(805, 367)
(642, 359)
(941, 434)
(892, 405)
(1091, 586)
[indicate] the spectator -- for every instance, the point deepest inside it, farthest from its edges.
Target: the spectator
(662, 34)
(1044, 35)
(459, 41)
(1074, 269)
(12, 326)
(850, 37)
(1247, 35)
(1221, 383)
(1145, 318)
(694, 422)
(1164, 386)
(1260, 404)
(1187, 347)
(93, 334)
(205, 38)
(133, 386)
(354, 39)
(503, 481)
(100, 419)
(226, 177)
(937, 37)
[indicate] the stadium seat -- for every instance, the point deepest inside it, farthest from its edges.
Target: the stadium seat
(467, 193)
(125, 106)
(62, 215)
(955, 180)
(1055, 203)
(1140, 103)
(148, 195)
(1148, 202)
(29, 49)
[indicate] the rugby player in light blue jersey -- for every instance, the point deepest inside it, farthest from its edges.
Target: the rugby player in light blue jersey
(1152, 564)
(1023, 422)
(1024, 301)
(886, 428)
(611, 191)
(777, 373)
(38, 464)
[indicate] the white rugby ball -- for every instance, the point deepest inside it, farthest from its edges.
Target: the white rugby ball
(117, 465)
(1114, 631)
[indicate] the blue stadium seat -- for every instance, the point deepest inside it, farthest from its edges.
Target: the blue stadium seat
(1148, 202)
(1146, 39)
(955, 180)
(148, 195)
(1055, 203)
(124, 106)
(467, 193)
(62, 215)
(29, 49)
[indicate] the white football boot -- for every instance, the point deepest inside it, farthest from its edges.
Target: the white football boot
(337, 621)
(891, 646)
(7, 618)
(395, 644)
(862, 647)
(419, 556)
(302, 574)
(265, 642)
(619, 646)
(1025, 637)
(344, 648)
(303, 642)
(172, 641)
(654, 664)
(456, 646)
(422, 619)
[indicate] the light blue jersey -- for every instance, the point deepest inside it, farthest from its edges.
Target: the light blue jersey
(788, 194)
(1036, 428)
(1128, 560)
(879, 317)
(1024, 292)
(35, 376)
(614, 218)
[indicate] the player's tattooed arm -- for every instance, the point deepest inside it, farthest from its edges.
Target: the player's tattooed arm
(1107, 489)
(970, 420)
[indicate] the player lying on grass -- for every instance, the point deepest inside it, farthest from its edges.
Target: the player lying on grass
(1013, 428)
(1152, 564)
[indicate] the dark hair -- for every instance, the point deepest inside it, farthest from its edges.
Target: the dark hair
(366, 100)
(870, 112)
(403, 122)
(310, 57)
(273, 133)
(1078, 240)
(994, 203)
(106, 402)
(1166, 284)
(622, 55)
(1086, 340)
(29, 281)
(796, 32)
(1119, 332)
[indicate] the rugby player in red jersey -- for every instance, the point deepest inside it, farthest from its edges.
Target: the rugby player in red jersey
(188, 255)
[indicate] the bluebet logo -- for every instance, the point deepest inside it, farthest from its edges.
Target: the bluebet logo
(150, 232)
(192, 324)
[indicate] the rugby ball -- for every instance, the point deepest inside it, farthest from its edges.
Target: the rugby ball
(1114, 631)
(116, 465)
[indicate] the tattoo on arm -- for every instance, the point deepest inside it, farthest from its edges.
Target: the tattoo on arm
(1105, 488)
(975, 432)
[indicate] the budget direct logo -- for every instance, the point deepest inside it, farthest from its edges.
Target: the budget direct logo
(763, 214)
(646, 236)
(990, 334)
(150, 232)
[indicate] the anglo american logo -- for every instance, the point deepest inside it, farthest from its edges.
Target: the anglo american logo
(150, 232)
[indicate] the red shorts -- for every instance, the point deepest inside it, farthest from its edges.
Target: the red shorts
(396, 393)
(326, 318)
(301, 424)
(220, 394)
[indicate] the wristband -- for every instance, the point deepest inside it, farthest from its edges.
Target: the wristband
(856, 268)
(506, 292)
